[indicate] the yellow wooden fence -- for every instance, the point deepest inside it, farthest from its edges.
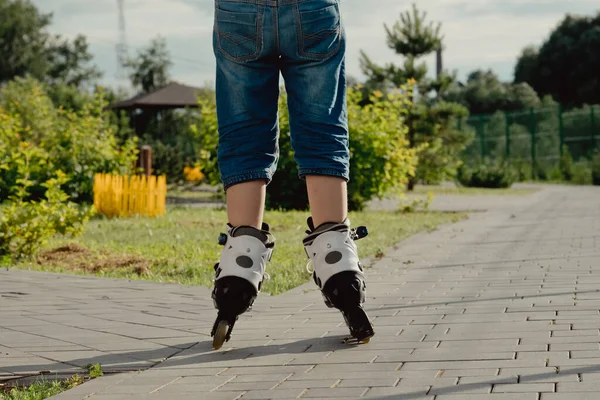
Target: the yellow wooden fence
(119, 196)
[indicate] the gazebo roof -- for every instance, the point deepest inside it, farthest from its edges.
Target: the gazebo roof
(173, 95)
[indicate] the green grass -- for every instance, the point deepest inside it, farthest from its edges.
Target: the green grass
(182, 246)
(39, 390)
(194, 195)
(439, 190)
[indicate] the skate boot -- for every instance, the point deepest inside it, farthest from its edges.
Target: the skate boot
(239, 276)
(337, 271)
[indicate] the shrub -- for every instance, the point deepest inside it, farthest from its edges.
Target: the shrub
(79, 143)
(436, 126)
(206, 134)
(168, 160)
(487, 175)
(596, 169)
(582, 173)
(566, 164)
(26, 226)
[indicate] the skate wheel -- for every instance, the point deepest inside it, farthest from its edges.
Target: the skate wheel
(366, 341)
(220, 335)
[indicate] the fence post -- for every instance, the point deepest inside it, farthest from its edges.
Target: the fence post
(482, 137)
(146, 159)
(533, 150)
(561, 130)
(593, 125)
(507, 134)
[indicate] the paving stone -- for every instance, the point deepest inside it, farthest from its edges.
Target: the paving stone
(468, 372)
(411, 393)
(490, 396)
(307, 384)
(543, 355)
(575, 346)
(575, 387)
(366, 382)
(544, 374)
(524, 388)
(273, 394)
(475, 380)
(569, 396)
(335, 392)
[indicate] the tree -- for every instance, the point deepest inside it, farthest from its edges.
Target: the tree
(527, 64)
(23, 40)
(430, 122)
(566, 65)
(484, 93)
(69, 63)
(151, 68)
(26, 48)
(411, 37)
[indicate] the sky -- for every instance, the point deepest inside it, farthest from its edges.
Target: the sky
(478, 34)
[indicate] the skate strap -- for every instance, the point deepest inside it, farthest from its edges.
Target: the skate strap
(342, 228)
(263, 235)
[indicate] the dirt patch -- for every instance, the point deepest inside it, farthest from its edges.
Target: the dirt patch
(78, 258)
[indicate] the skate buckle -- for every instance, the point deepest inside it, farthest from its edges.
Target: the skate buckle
(310, 267)
(359, 233)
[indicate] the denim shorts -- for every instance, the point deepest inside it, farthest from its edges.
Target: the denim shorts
(304, 40)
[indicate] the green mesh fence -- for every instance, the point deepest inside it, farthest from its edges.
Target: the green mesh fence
(533, 140)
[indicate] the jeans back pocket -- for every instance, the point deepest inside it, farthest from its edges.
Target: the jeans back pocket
(238, 33)
(320, 32)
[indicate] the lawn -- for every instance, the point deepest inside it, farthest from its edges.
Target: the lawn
(182, 246)
(199, 196)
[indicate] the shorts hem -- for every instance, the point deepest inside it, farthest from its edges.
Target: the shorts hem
(247, 177)
(324, 172)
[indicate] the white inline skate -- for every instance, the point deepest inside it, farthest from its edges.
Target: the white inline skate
(239, 276)
(337, 271)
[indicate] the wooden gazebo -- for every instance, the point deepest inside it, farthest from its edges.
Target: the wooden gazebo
(172, 96)
(145, 107)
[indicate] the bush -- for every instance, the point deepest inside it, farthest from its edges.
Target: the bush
(582, 173)
(488, 175)
(169, 160)
(566, 165)
(79, 143)
(596, 169)
(206, 134)
(436, 126)
(27, 226)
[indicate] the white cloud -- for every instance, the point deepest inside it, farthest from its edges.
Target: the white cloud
(478, 33)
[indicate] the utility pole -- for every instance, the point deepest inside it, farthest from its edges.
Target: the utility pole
(122, 43)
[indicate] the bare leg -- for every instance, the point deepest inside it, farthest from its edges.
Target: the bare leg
(328, 197)
(246, 203)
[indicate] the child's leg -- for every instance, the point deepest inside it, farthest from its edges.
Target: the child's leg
(247, 90)
(313, 66)
(328, 198)
(245, 203)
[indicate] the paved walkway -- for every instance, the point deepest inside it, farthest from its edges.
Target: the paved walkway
(505, 305)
